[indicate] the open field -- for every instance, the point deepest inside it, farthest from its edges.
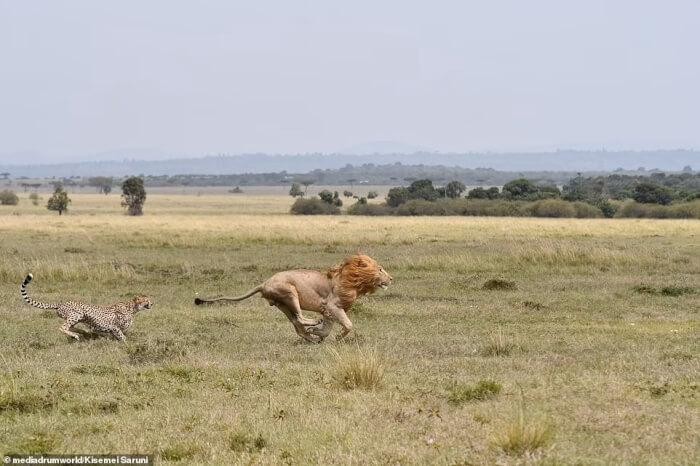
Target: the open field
(587, 327)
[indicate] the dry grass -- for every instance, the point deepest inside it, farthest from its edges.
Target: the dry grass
(522, 435)
(612, 368)
(357, 369)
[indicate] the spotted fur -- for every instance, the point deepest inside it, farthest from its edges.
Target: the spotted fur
(115, 319)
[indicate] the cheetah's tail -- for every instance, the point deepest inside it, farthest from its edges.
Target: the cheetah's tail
(29, 300)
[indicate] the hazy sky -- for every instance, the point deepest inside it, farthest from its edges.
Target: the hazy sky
(107, 79)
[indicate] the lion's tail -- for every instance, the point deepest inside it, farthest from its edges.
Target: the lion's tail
(257, 289)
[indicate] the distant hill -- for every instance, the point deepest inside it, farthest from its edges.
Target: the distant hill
(569, 161)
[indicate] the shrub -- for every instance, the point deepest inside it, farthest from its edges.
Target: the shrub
(347, 193)
(491, 208)
(236, 190)
(481, 193)
(313, 206)
(423, 207)
(651, 193)
(369, 209)
(484, 390)
(372, 195)
(553, 208)
(34, 197)
(584, 210)
(8, 197)
(633, 209)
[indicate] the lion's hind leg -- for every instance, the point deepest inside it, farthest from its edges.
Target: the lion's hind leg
(299, 327)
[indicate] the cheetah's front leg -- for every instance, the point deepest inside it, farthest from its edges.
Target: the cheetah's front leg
(118, 334)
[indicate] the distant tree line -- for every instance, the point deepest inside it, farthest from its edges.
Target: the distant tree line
(382, 175)
(598, 196)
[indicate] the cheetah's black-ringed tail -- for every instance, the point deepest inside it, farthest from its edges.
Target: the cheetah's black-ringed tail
(29, 300)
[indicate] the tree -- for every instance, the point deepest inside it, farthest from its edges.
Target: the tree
(651, 193)
(306, 184)
(8, 197)
(59, 201)
(296, 190)
(454, 189)
(330, 198)
(347, 193)
(102, 183)
(134, 195)
(5, 175)
(522, 188)
(397, 196)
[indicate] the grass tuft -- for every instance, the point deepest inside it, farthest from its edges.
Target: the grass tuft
(246, 442)
(358, 369)
(483, 390)
(499, 284)
(39, 442)
(498, 346)
(523, 436)
(674, 291)
(24, 403)
(180, 451)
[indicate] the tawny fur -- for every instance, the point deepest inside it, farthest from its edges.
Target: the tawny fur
(331, 294)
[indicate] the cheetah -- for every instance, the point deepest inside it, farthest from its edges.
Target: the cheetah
(115, 319)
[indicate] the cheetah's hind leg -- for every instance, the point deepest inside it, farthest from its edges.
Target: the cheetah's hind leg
(65, 328)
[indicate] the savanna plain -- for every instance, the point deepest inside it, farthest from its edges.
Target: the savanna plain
(501, 340)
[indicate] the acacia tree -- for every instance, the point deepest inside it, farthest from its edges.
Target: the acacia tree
(454, 189)
(59, 200)
(134, 195)
(296, 190)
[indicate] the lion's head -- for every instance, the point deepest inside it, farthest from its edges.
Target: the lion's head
(358, 275)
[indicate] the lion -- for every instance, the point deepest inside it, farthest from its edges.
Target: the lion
(331, 294)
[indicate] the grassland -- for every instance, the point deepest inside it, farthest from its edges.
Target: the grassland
(502, 340)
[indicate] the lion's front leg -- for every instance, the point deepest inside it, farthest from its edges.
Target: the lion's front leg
(338, 314)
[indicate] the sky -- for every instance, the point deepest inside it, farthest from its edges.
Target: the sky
(87, 80)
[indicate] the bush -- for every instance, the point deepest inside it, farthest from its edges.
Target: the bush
(481, 193)
(372, 195)
(652, 193)
(633, 209)
(490, 208)
(313, 206)
(584, 210)
(8, 197)
(369, 209)
(553, 208)
(34, 197)
(423, 207)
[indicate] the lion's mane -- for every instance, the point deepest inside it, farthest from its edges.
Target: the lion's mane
(356, 276)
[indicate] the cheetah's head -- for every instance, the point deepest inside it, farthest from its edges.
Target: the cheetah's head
(142, 302)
